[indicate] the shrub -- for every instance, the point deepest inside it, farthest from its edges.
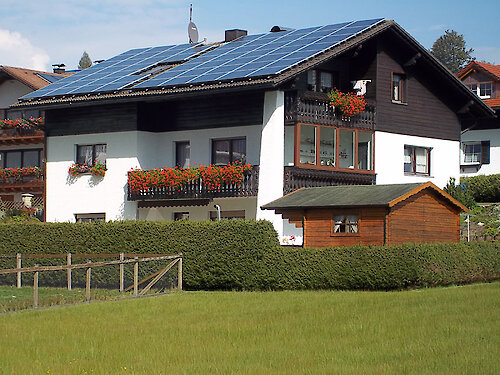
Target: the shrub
(483, 188)
(461, 193)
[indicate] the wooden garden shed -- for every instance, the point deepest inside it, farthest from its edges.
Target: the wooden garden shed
(372, 214)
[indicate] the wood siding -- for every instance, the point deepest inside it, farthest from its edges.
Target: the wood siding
(422, 115)
(423, 218)
(92, 119)
(318, 227)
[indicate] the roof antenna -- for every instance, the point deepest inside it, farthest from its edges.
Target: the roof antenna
(192, 29)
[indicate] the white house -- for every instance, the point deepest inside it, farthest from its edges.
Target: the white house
(259, 99)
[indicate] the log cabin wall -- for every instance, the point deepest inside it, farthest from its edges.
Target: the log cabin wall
(423, 114)
(423, 218)
(318, 227)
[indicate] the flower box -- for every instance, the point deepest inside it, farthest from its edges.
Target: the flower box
(95, 170)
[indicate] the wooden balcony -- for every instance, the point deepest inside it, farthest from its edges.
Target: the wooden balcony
(196, 190)
(314, 108)
(297, 178)
(15, 136)
(25, 184)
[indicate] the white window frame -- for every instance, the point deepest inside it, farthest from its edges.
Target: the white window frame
(476, 89)
(464, 154)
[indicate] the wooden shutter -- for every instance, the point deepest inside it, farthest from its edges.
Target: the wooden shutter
(485, 152)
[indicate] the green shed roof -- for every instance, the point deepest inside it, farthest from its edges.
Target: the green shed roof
(350, 196)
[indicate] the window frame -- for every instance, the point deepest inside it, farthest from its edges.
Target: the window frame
(3, 157)
(345, 213)
(463, 153)
(317, 87)
(177, 144)
(90, 218)
(402, 87)
(335, 167)
(231, 147)
(477, 89)
(93, 152)
(414, 164)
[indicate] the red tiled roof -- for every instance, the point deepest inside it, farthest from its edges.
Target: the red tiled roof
(29, 77)
(493, 70)
(493, 103)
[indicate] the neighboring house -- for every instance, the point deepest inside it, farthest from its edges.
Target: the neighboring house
(261, 99)
(21, 148)
(480, 147)
(372, 215)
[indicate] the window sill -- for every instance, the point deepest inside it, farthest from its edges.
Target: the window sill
(398, 102)
(417, 175)
(475, 164)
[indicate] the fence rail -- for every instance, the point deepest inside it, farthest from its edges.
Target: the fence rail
(176, 259)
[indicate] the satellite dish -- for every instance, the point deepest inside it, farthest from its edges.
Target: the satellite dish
(192, 29)
(193, 33)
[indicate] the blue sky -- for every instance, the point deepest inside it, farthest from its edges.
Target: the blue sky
(38, 33)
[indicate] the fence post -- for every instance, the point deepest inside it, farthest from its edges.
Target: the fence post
(35, 289)
(18, 265)
(68, 271)
(122, 271)
(87, 284)
(136, 275)
(179, 275)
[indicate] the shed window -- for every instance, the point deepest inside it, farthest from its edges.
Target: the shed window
(345, 224)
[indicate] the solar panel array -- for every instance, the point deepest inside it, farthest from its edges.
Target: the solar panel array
(249, 56)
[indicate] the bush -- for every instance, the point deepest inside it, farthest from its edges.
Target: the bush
(245, 255)
(483, 188)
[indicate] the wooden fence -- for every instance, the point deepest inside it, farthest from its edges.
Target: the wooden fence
(134, 259)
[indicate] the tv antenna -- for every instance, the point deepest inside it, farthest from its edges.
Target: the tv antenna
(192, 29)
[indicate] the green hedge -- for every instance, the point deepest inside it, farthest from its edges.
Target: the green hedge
(483, 188)
(237, 255)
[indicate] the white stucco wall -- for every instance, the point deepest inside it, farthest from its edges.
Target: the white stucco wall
(67, 196)
(10, 91)
(492, 135)
(389, 159)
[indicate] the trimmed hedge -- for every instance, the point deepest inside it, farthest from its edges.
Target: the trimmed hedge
(237, 255)
(483, 188)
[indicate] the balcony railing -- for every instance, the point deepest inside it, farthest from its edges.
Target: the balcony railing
(297, 178)
(315, 108)
(198, 190)
(16, 135)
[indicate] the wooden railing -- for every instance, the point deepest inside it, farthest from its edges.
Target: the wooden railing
(20, 181)
(297, 178)
(196, 189)
(316, 109)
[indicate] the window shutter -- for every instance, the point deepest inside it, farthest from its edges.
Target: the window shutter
(485, 152)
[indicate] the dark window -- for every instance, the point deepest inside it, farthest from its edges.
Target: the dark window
(181, 216)
(417, 160)
(321, 81)
(91, 154)
(345, 224)
(471, 153)
(182, 154)
(228, 215)
(226, 151)
(88, 218)
(12, 115)
(20, 158)
(399, 87)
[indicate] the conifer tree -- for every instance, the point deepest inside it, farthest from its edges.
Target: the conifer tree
(85, 61)
(450, 49)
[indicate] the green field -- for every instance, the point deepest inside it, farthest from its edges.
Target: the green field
(453, 330)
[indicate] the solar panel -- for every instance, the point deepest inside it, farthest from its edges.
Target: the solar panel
(248, 56)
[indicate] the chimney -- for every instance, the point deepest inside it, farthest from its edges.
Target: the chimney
(234, 34)
(59, 68)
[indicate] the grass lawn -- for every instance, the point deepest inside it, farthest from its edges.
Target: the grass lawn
(452, 330)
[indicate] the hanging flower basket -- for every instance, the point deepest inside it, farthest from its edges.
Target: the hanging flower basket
(95, 170)
(348, 104)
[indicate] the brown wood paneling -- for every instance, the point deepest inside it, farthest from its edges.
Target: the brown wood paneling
(423, 114)
(424, 218)
(318, 227)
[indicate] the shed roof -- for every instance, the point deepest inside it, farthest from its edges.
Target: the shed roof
(354, 196)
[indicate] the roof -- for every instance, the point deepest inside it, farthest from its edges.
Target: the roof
(490, 69)
(35, 79)
(354, 196)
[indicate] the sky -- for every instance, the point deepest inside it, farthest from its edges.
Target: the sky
(38, 33)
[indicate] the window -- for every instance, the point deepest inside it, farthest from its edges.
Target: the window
(20, 158)
(226, 151)
(417, 160)
(88, 218)
(483, 90)
(91, 154)
(320, 81)
(181, 216)
(182, 154)
(228, 215)
(345, 224)
(471, 153)
(327, 147)
(398, 88)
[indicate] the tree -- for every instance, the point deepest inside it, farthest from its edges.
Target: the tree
(85, 61)
(450, 49)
